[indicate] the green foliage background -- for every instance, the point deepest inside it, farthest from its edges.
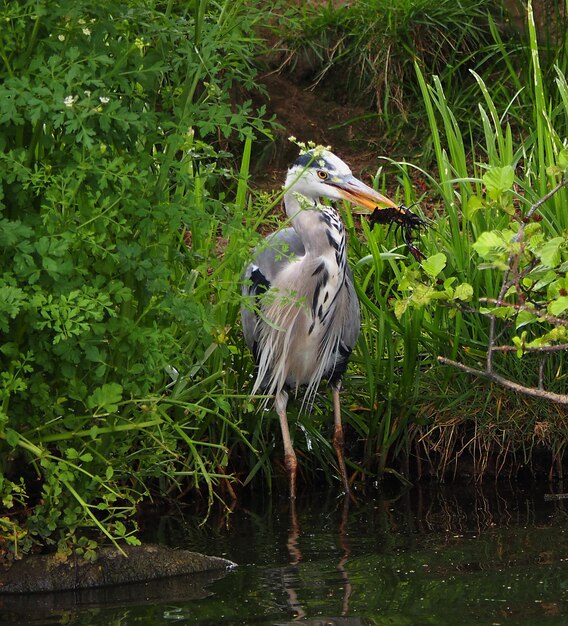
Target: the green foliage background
(115, 119)
(125, 222)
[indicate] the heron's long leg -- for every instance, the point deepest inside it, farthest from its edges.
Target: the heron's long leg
(290, 460)
(338, 435)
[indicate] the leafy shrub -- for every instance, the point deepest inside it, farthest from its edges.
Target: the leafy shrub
(115, 119)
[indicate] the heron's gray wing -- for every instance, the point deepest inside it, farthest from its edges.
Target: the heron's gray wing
(270, 257)
(351, 329)
(345, 325)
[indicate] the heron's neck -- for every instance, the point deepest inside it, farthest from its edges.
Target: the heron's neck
(320, 229)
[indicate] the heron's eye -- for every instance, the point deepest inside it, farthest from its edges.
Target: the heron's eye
(322, 174)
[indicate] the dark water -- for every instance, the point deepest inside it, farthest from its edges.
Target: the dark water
(455, 556)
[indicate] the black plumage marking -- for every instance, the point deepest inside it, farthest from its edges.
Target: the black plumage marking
(330, 239)
(315, 298)
(304, 160)
(259, 285)
(340, 252)
(259, 282)
(342, 354)
(318, 269)
(336, 295)
(322, 281)
(308, 159)
(325, 217)
(339, 370)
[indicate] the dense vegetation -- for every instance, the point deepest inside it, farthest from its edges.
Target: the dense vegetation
(126, 216)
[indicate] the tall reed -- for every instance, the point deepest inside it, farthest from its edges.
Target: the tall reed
(414, 313)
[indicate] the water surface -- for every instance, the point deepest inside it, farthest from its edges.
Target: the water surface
(439, 555)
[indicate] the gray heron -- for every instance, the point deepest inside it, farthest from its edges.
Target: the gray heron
(304, 318)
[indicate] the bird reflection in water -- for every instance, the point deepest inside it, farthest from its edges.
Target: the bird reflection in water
(292, 580)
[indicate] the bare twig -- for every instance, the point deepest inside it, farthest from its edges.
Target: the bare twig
(560, 398)
(541, 373)
(523, 307)
(556, 496)
(559, 347)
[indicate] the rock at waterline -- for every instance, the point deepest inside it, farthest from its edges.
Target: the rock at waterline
(141, 563)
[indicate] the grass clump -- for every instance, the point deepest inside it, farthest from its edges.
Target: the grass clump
(370, 47)
(489, 301)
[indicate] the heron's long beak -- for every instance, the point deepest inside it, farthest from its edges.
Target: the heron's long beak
(359, 193)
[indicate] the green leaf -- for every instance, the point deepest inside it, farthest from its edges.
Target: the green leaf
(549, 253)
(400, 307)
(562, 160)
(520, 343)
(463, 292)
(106, 397)
(524, 318)
(424, 294)
(558, 306)
(488, 243)
(503, 312)
(433, 265)
(12, 437)
(131, 540)
(11, 300)
(498, 180)
(545, 280)
(472, 205)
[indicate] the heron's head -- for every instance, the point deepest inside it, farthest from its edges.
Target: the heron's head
(319, 173)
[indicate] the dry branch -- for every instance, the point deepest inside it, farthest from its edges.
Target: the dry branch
(560, 398)
(545, 317)
(556, 348)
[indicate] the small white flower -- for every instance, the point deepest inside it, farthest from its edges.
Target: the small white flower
(61, 37)
(87, 93)
(104, 99)
(70, 101)
(87, 32)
